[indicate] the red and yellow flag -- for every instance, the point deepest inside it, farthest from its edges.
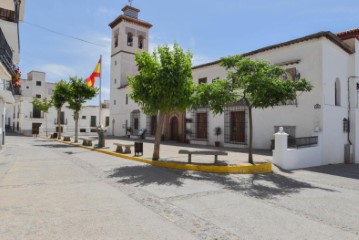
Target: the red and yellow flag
(96, 73)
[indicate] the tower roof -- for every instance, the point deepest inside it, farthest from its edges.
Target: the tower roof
(130, 14)
(352, 33)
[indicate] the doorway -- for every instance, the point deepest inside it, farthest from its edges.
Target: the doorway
(238, 126)
(36, 128)
(174, 129)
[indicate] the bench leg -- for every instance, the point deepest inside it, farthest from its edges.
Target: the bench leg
(215, 159)
(119, 149)
(127, 149)
(189, 158)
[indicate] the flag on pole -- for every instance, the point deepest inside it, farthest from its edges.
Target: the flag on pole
(96, 74)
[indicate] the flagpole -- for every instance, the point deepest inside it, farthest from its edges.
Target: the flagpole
(100, 113)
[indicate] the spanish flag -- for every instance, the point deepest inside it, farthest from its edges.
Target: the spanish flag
(96, 73)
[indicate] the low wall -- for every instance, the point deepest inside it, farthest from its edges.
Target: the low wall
(289, 159)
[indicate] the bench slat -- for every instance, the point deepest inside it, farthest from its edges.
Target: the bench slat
(183, 151)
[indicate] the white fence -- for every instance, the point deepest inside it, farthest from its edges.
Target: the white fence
(288, 158)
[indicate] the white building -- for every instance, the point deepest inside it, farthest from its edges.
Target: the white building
(11, 13)
(25, 119)
(330, 111)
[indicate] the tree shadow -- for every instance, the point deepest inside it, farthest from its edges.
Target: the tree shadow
(340, 170)
(54, 146)
(260, 186)
(147, 175)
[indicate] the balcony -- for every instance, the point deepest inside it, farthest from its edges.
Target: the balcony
(6, 91)
(6, 54)
(7, 15)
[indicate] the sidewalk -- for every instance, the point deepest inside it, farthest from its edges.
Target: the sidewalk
(169, 152)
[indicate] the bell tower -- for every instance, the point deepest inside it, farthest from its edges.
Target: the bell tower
(129, 35)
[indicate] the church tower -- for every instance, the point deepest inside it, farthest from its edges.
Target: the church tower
(129, 35)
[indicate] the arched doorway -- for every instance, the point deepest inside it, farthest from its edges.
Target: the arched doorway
(174, 128)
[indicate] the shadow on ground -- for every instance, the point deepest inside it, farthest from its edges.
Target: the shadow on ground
(54, 146)
(340, 170)
(261, 186)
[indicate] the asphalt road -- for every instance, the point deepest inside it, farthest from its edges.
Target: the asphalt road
(54, 191)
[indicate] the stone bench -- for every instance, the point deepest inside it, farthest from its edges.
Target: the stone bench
(66, 138)
(205, 152)
(87, 141)
(127, 147)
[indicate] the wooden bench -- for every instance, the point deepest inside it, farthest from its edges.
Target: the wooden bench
(87, 141)
(66, 138)
(125, 145)
(206, 152)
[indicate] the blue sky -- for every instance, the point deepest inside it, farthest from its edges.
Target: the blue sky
(210, 29)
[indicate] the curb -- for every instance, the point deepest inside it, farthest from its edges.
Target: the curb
(260, 168)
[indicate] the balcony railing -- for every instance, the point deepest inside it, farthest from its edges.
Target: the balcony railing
(5, 53)
(6, 85)
(36, 115)
(7, 15)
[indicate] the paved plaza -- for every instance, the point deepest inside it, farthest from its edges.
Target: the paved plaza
(50, 190)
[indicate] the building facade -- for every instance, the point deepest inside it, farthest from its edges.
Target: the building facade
(11, 14)
(330, 111)
(23, 118)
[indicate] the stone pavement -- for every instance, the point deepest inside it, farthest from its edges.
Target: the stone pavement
(50, 190)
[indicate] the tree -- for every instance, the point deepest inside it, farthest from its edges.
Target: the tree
(59, 98)
(43, 105)
(258, 83)
(78, 94)
(163, 85)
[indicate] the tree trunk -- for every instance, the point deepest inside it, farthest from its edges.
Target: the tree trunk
(76, 115)
(46, 124)
(158, 136)
(250, 144)
(59, 123)
(250, 140)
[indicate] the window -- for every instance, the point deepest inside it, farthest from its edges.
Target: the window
(93, 121)
(115, 80)
(62, 118)
(202, 80)
(115, 62)
(38, 95)
(107, 121)
(114, 102)
(115, 40)
(201, 125)
(38, 83)
(140, 42)
(135, 126)
(126, 98)
(337, 92)
(36, 113)
(129, 39)
(83, 117)
(82, 130)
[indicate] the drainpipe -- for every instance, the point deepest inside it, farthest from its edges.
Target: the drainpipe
(17, 12)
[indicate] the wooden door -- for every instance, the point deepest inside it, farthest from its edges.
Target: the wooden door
(202, 125)
(238, 126)
(35, 128)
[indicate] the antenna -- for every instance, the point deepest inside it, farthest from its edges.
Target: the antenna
(130, 1)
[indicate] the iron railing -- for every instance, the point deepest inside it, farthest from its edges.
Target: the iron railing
(6, 53)
(7, 15)
(302, 142)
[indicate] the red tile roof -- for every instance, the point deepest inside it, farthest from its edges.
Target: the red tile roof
(352, 33)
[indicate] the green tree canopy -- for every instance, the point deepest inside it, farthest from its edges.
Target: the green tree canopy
(59, 98)
(78, 93)
(43, 105)
(259, 83)
(163, 84)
